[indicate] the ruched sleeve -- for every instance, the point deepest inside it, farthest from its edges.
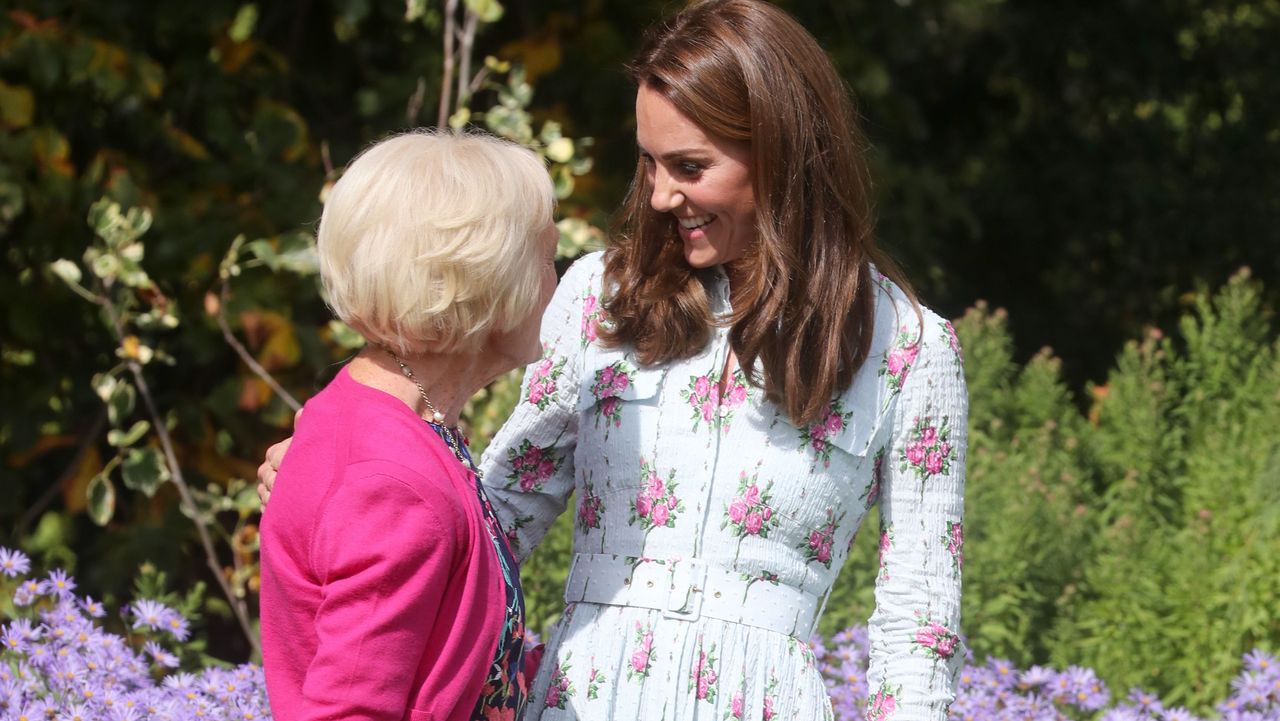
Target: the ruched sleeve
(528, 467)
(916, 651)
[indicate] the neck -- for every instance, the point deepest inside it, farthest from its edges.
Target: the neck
(449, 379)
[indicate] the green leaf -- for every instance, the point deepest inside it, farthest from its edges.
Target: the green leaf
(296, 253)
(17, 106)
(144, 470)
(414, 9)
(460, 118)
(67, 270)
(246, 20)
(101, 495)
(560, 150)
(345, 336)
(124, 439)
(104, 384)
(489, 11)
(563, 179)
(54, 530)
(105, 265)
(123, 400)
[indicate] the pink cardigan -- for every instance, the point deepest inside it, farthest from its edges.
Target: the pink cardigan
(382, 597)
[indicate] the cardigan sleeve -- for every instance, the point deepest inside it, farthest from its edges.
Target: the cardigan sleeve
(916, 652)
(529, 467)
(384, 557)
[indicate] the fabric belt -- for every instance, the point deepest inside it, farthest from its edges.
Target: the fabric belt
(688, 589)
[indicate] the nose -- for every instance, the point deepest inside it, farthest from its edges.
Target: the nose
(666, 195)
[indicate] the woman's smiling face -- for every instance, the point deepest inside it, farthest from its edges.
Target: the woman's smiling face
(703, 181)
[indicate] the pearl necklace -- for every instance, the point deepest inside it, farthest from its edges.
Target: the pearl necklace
(436, 415)
(452, 436)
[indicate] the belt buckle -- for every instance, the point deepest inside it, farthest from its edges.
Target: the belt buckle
(688, 586)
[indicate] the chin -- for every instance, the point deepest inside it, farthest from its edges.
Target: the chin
(702, 257)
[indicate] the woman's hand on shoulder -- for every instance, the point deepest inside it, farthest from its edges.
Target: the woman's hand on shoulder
(271, 464)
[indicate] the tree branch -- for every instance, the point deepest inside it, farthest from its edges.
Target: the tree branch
(243, 352)
(184, 491)
(446, 80)
(468, 39)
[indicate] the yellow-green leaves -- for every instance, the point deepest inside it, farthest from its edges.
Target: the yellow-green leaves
(488, 11)
(243, 24)
(17, 106)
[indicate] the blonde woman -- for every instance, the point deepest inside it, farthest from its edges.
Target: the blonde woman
(388, 588)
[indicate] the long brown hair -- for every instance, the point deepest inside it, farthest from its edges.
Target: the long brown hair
(803, 295)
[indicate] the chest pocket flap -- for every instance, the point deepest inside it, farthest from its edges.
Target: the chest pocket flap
(615, 375)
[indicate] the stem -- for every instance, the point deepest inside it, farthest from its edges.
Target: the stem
(478, 81)
(446, 81)
(468, 39)
(184, 491)
(414, 108)
(328, 162)
(244, 354)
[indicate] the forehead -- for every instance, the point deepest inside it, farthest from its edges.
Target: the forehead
(661, 126)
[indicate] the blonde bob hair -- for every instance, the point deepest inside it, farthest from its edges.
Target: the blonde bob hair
(428, 241)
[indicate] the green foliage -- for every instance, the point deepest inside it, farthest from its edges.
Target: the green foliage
(1141, 539)
(544, 573)
(1184, 578)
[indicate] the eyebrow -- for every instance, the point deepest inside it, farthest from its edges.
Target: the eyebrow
(677, 154)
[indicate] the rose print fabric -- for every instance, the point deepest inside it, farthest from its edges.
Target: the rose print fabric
(683, 461)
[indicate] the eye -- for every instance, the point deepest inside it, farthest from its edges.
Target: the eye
(690, 168)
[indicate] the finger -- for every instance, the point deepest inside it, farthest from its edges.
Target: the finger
(275, 455)
(263, 494)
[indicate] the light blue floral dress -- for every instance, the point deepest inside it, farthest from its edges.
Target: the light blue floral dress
(709, 530)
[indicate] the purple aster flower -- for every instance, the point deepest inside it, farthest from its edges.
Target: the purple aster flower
(1035, 677)
(93, 608)
(1003, 671)
(1146, 702)
(1256, 660)
(150, 614)
(1086, 691)
(177, 626)
(65, 673)
(13, 563)
(75, 712)
(1179, 714)
(19, 635)
(161, 656)
(60, 583)
(27, 592)
(44, 709)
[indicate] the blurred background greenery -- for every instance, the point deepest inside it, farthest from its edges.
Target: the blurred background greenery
(1100, 170)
